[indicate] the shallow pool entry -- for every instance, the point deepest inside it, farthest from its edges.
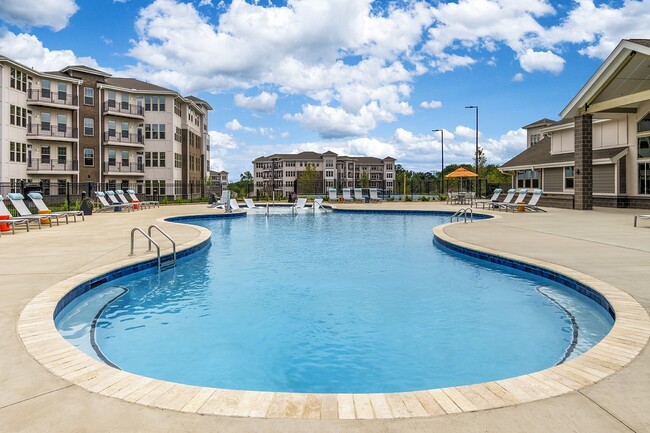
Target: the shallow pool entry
(335, 302)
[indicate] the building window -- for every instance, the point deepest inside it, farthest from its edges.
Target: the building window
(161, 130)
(112, 157)
(125, 158)
(18, 80)
(161, 159)
(63, 91)
(89, 157)
(178, 160)
(45, 122)
(18, 116)
(177, 107)
(112, 184)
(125, 129)
(568, 178)
(111, 128)
(178, 136)
(45, 88)
(62, 123)
(534, 139)
(125, 101)
(147, 159)
(644, 124)
(45, 154)
(46, 186)
(154, 131)
(17, 152)
(111, 99)
(528, 178)
(61, 187)
(643, 147)
(644, 178)
(89, 96)
(62, 154)
(12, 149)
(89, 127)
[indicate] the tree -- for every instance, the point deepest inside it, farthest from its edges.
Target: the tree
(307, 179)
(364, 180)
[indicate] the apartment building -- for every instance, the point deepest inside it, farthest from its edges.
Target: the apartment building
(218, 181)
(598, 152)
(287, 173)
(80, 124)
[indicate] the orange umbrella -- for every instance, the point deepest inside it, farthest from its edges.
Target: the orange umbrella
(461, 172)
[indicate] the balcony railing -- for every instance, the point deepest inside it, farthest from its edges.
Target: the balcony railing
(123, 168)
(58, 131)
(50, 97)
(119, 137)
(42, 164)
(114, 107)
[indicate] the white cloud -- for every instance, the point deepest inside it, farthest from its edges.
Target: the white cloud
(234, 125)
(518, 77)
(205, 3)
(545, 61)
(431, 104)
(464, 131)
(29, 50)
(264, 102)
(38, 13)
(449, 62)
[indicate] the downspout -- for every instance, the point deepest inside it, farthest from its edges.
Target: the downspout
(100, 134)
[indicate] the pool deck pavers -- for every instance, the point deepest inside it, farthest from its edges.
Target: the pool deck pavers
(601, 244)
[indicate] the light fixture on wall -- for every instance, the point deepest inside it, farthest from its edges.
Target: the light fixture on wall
(577, 171)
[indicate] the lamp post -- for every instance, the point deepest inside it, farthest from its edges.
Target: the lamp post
(477, 174)
(442, 156)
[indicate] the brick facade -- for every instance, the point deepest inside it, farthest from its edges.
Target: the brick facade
(583, 162)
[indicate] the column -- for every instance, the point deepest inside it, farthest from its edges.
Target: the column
(583, 170)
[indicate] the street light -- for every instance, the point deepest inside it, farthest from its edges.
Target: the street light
(442, 156)
(477, 174)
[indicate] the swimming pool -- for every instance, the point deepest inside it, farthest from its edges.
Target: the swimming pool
(336, 302)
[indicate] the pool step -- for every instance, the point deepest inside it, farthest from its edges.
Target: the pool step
(167, 264)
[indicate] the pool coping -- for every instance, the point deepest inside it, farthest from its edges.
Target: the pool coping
(625, 341)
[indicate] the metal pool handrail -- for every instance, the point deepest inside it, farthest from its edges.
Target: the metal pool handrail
(462, 212)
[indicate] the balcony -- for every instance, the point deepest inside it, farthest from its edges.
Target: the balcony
(52, 132)
(47, 98)
(114, 138)
(123, 109)
(52, 166)
(132, 169)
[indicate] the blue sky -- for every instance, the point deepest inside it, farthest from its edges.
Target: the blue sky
(358, 77)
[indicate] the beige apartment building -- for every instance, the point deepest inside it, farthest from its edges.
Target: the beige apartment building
(285, 173)
(82, 125)
(598, 153)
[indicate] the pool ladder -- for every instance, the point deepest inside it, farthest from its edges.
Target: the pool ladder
(463, 213)
(162, 265)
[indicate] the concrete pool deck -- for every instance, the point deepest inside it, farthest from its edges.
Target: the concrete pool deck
(601, 243)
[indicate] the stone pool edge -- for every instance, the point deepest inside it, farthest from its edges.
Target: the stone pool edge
(624, 342)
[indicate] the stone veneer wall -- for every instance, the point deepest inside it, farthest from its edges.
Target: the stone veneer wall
(583, 173)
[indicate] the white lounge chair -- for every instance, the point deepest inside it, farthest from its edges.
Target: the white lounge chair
(494, 198)
(300, 203)
(332, 195)
(318, 203)
(519, 201)
(373, 194)
(37, 199)
(346, 195)
(13, 221)
(234, 205)
(507, 199)
(24, 212)
(137, 201)
(114, 200)
(250, 204)
(358, 194)
(105, 205)
(636, 217)
(532, 203)
(121, 198)
(223, 200)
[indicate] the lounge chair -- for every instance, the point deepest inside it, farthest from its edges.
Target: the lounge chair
(332, 195)
(494, 198)
(300, 203)
(17, 200)
(223, 200)
(122, 199)
(13, 221)
(133, 198)
(318, 203)
(358, 194)
(114, 200)
(346, 195)
(507, 199)
(105, 205)
(250, 204)
(519, 201)
(532, 203)
(636, 217)
(37, 199)
(373, 194)
(234, 205)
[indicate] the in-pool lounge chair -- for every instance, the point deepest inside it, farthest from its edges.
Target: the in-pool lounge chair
(346, 195)
(358, 194)
(519, 201)
(373, 194)
(493, 199)
(17, 200)
(114, 200)
(145, 203)
(318, 203)
(640, 217)
(13, 221)
(234, 205)
(105, 205)
(332, 195)
(250, 204)
(37, 199)
(223, 200)
(300, 203)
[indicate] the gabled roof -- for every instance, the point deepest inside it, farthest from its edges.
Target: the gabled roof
(85, 70)
(541, 122)
(539, 155)
(134, 84)
(198, 101)
(621, 75)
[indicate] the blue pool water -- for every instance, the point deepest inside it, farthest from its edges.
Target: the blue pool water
(335, 302)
